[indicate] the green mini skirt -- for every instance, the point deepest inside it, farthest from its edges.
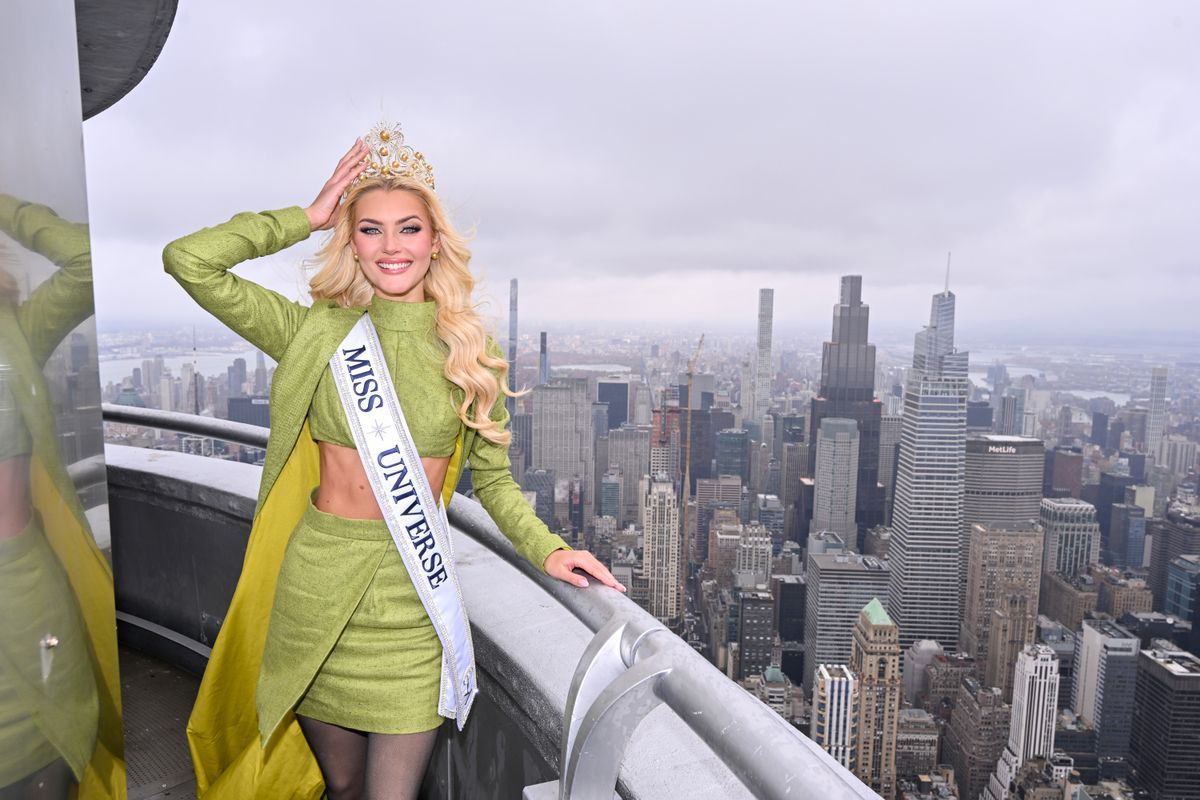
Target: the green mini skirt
(348, 642)
(49, 704)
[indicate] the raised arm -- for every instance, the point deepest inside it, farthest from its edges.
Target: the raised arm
(201, 262)
(63, 300)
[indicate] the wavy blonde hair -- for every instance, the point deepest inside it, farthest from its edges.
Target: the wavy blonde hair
(480, 374)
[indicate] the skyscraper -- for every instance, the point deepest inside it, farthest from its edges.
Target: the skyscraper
(875, 661)
(1034, 710)
(1002, 489)
(660, 561)
(976, 735)
(928, 509)
(848, 391)
(835, 701)
(1157, 419)
(1103, 689)
(1175, 535)
(1164, 749)
(762, 361)
(1072, 539)
(564, 436)
(543, 360)
(836, 478)
(614, 391)
(889, 448)
(1003, 562)
(629, 449)
(511, 402)
(839, 586)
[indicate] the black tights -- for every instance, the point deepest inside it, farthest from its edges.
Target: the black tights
(52, 782)
(368, 766)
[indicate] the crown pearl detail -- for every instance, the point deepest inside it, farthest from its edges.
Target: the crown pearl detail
(390, 157)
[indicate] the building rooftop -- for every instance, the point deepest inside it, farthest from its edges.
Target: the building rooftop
(876, 614)
(1177, 662)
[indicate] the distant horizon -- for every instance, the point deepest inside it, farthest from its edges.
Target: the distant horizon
(1172, 343)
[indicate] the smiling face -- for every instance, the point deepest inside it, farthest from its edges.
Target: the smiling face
(394, 240)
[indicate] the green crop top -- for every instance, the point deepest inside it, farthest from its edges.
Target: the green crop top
(414, 356)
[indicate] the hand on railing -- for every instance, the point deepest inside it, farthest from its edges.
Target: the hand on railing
(561, 563)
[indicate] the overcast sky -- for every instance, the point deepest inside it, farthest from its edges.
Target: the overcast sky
(653, 160)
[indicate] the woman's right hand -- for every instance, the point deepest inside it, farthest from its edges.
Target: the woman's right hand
(323, 210)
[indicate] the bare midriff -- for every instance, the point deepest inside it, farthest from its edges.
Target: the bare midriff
(15, 504)
(345, 489)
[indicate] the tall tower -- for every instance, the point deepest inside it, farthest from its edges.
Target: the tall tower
(543, 360)
(762, 361)
(1004, 562)
(839, 586)
(1034, 710)
(1072, 535)
(875, 661)
(1003, 485)
(1105, 672)
(927, 516)
(1166, 718)
(848, 391)
(836, 476)
(660, 560)
(511, 402)
(835, 701)
(564, 436)
(1156, 422)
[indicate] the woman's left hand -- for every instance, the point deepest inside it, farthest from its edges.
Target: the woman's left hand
(560, 564)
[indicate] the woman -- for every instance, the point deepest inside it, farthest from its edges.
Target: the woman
(345, 656)
(60, 721)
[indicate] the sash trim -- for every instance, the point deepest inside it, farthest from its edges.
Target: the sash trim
(413, 512)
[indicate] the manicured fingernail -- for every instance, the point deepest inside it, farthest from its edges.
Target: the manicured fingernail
(582, 582)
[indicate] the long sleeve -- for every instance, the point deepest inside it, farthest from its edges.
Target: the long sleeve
(501, 497)
(201, 263)
(63, 300)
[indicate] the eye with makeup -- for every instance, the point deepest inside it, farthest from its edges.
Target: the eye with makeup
(371, 230)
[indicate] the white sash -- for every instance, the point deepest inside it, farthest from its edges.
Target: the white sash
(410, 507)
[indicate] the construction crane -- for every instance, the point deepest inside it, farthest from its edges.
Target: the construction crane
(685, 535)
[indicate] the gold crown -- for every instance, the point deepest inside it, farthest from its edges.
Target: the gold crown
(390, 157)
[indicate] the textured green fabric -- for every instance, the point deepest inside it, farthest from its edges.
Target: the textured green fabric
(302, 339)
(415, 357)
(364, 603)
(54, 308)
(57, 718)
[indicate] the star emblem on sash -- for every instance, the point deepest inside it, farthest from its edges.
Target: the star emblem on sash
(379, 429)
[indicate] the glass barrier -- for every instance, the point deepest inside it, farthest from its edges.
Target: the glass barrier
(60, 723)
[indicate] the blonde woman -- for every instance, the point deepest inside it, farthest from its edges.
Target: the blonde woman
(327, 650)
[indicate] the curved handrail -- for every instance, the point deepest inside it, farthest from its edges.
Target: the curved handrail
(193, 424)
(769, 756)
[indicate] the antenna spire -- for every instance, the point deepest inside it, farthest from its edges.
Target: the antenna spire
(947, 270)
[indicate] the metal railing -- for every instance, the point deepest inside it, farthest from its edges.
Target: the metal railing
(632, 664)
(191, 424)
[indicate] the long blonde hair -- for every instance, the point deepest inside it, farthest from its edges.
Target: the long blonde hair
(482, 375)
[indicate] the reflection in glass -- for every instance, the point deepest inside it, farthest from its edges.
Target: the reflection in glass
(59, 718)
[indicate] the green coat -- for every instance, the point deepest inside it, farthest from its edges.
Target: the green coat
(223, 731)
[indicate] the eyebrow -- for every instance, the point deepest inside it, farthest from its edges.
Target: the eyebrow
(377, 222)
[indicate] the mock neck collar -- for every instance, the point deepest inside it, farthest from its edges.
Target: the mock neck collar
(398, 315)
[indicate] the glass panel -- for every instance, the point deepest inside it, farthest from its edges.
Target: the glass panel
(59, 696)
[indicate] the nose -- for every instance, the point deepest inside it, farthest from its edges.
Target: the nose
(391, 243)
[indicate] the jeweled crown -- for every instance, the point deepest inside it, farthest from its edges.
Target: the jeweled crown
(390, 157)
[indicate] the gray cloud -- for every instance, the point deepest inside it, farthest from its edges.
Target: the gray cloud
(662, 156)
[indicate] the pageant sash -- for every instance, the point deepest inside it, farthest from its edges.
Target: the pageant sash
(410, 508)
